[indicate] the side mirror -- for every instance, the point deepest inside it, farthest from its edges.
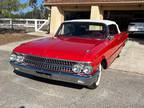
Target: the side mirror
(110, 37)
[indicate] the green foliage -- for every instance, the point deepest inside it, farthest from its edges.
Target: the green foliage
(32, 3)
(7, 7)
(37, 13)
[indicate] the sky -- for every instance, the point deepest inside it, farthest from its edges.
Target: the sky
(39, 2)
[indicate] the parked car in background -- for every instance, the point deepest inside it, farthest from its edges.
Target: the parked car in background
(136, 26)
(76, 54)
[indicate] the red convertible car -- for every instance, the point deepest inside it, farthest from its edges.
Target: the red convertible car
(76, 54)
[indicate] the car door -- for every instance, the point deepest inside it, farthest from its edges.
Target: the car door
(113, 42)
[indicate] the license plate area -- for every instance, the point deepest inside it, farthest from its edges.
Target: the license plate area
(43, 73)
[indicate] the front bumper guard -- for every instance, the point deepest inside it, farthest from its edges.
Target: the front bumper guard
(59, 76)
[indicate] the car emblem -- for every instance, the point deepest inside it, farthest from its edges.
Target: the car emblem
(87, 51)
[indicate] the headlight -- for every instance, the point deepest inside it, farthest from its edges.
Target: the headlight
(87, 69)
(19, 58)
(81, 68)
(13, 57)
(77, 68)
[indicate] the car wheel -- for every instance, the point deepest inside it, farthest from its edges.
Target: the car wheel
(96, 84)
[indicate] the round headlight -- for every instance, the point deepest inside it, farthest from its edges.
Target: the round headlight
(77, 68)
(13, 57)
(87, 69)
(19, 58)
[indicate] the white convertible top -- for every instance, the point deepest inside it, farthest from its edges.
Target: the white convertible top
(106, 22)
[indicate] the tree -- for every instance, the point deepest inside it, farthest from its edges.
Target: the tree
(39, 11)
(7, 7)
(33, 3)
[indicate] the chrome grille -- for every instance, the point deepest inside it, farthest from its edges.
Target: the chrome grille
(48, 64)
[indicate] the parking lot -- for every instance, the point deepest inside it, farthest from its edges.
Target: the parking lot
(122, 85)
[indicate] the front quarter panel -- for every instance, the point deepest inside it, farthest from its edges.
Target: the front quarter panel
(97, 54)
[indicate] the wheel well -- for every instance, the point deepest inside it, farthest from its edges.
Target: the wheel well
(104, 63)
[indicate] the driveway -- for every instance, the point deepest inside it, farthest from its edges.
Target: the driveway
(118, 89)
(132, 57)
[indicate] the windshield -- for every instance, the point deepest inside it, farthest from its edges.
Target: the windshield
(83, 29)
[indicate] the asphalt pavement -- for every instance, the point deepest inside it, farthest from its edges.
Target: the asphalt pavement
(132, 57)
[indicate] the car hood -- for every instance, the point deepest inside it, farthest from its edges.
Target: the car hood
(69, 48)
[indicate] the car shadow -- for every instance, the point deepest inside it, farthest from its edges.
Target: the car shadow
(53, 82)
(22, 107)
(137, 38)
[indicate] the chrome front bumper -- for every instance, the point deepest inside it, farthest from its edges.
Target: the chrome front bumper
(60, 76)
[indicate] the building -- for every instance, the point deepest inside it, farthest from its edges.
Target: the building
(121, 11)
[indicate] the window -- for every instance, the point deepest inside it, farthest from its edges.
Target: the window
(113, 30)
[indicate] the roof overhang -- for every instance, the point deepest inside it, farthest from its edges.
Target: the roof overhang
(63, 2)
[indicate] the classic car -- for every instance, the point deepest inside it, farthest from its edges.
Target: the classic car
(78, 52)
